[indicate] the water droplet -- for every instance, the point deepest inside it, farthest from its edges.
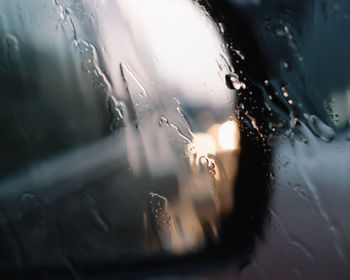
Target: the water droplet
(116, 110)
(61, 12)
(164, 121)
(322, 130)
(159, 209)
(272, 178)
(204, 162)
(239, 53)
(232, 82)
(68, 10)
(301, 192)
(138, 102)
(286, 65)
(221, 27)
(33, 215)
(11, 51)
(251, 121)
(279, 32)
(12, 42)
(223, 64)
(91, 63)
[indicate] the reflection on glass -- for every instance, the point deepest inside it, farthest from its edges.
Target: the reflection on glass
(205, 189)
(125, 123)
(183, 123)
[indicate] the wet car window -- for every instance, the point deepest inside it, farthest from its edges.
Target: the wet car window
(201, 139)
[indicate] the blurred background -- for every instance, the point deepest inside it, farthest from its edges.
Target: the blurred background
(174, 139)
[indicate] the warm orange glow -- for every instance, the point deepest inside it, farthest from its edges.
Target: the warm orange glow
(227, 134)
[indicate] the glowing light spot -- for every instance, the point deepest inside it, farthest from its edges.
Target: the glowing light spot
(203, 145)
(227, 133)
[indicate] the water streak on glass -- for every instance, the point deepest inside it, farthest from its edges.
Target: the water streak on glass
(124, 141)
(148, 129)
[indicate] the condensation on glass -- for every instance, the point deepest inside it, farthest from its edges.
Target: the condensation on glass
(120, 130)
(121, 138)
